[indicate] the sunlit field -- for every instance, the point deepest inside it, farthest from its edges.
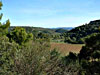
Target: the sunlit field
(66, 48)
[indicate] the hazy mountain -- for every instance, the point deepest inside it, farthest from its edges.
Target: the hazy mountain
(65, 28)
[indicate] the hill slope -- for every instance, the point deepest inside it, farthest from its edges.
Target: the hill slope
(77, 34)
(40, 29)
(53, 34)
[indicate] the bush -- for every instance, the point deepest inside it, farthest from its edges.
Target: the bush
(7, 56)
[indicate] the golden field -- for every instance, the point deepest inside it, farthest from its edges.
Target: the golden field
(66, 48)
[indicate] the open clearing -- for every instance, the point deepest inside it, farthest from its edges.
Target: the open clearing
(66, 48)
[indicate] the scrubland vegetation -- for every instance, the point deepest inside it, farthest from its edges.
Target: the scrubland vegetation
(29, 53)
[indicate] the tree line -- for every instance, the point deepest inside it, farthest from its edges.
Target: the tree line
(78, 34)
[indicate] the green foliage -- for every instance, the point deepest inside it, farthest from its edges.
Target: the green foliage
(60, 30)
(71, 58)
(7, 54)
(84, 64)
(96, 54)
(53, 34)
(25, 59)
(88, 55)
(3, 27)
(54, 54)
(78, 34)
(19, 35)
(89, 68)
(42, 35)
(21, 55)
(31, 58)
(1, 17)
(92, 45)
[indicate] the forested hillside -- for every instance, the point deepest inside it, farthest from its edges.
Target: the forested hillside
(78, 34)
(75, 36)
(40, 29)
(22, 53)
(56, 35)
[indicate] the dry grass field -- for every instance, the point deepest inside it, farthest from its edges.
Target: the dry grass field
(66, 48)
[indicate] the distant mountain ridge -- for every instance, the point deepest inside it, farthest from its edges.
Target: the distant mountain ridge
(44, 30)
(65, 28)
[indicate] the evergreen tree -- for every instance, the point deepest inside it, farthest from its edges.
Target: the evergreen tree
(92, 46)
(3, 27)
(19, 35)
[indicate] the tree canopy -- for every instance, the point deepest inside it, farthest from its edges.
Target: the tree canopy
(3, 26)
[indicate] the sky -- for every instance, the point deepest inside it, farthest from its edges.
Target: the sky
(50, 13)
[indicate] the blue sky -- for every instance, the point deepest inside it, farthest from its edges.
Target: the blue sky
(50, 13)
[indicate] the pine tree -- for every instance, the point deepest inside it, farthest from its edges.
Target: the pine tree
(3, 26)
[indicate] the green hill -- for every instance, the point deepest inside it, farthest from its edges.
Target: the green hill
(53, 34)
(40, 29)
(78, 34)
